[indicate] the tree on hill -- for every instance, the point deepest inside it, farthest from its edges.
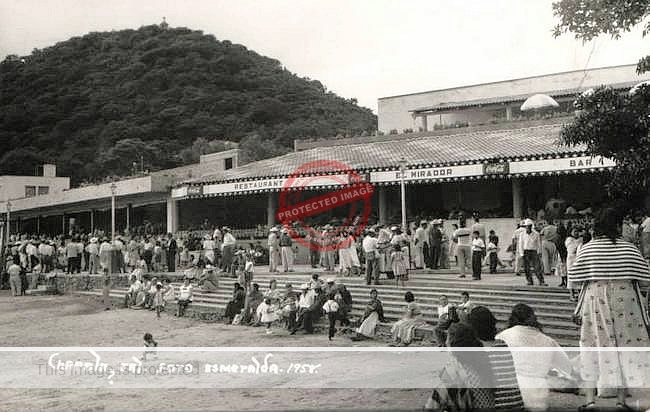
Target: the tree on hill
(611, 124)
(94, 104)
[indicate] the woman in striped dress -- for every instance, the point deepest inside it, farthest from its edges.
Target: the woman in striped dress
(611, 310)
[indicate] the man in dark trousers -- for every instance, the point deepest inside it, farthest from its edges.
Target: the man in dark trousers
(435, 240)
(172, 248)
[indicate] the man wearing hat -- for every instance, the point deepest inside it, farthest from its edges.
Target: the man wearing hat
(421, 245)
(530, 247)
(330, 286)
(371, 254)
(46, 252)
(519, 260)
(435, 239)
(229, 243)
(274, 249)
(286, 252)
(93, 255)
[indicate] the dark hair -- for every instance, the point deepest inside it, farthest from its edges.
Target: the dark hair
(314, 276)
(272, 281)
(237, 286)
(158, 286)
(607, 223)
(256, 286)
(483, 322)
(523, 315)
(148, 337)
(373, 291)
(462, 335)
(331, 295)
(408, 296)
(476, 232)
(465, 293)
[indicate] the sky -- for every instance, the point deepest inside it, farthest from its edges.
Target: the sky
(365, 49)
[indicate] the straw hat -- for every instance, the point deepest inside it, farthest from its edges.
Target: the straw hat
(273, 229)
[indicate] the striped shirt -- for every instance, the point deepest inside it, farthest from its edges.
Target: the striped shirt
(506, 388)
(602, 259)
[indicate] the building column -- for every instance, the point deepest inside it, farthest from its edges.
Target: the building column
(172, 215)
(92, 221)
(38, 224)
(508, 113)
(271, 208)
(517, 198)
(383, 206)
(128, 217)
(63, 224)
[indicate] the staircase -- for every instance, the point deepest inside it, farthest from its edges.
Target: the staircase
(551, 304)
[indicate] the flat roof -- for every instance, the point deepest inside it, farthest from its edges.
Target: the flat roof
(505, 81)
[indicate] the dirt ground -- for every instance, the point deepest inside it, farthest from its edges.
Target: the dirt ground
(79, 321)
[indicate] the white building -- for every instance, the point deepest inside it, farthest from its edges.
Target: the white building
(487, 103)
(18, 187)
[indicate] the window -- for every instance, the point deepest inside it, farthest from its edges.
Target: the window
(30, 191)
(228, 163)
(43, 190)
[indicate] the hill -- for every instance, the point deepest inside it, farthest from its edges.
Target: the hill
(97, 103)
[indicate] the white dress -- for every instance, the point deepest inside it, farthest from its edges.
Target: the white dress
(572, 247)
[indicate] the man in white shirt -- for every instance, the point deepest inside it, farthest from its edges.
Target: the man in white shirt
(274, 249)
(46, 252)
(371, 253)
(32, 254)
(478, 251)
(443, 321)
(529, 247)
(93, 256)
(14, 279)
(519, 260)
(421, 245)
(184, 296)
(465, 307)
(463, 247)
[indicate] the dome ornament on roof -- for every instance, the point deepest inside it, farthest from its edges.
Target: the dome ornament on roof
(164, 25)
(537, 102)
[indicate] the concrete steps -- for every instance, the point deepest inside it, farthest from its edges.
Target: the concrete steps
(551, 304)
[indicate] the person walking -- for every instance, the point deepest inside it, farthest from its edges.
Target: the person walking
(611, 310)
(529, 247)
(549, 250)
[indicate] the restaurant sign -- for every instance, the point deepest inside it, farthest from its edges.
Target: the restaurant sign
(274, 184)
(561, 164)
(432, 173)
